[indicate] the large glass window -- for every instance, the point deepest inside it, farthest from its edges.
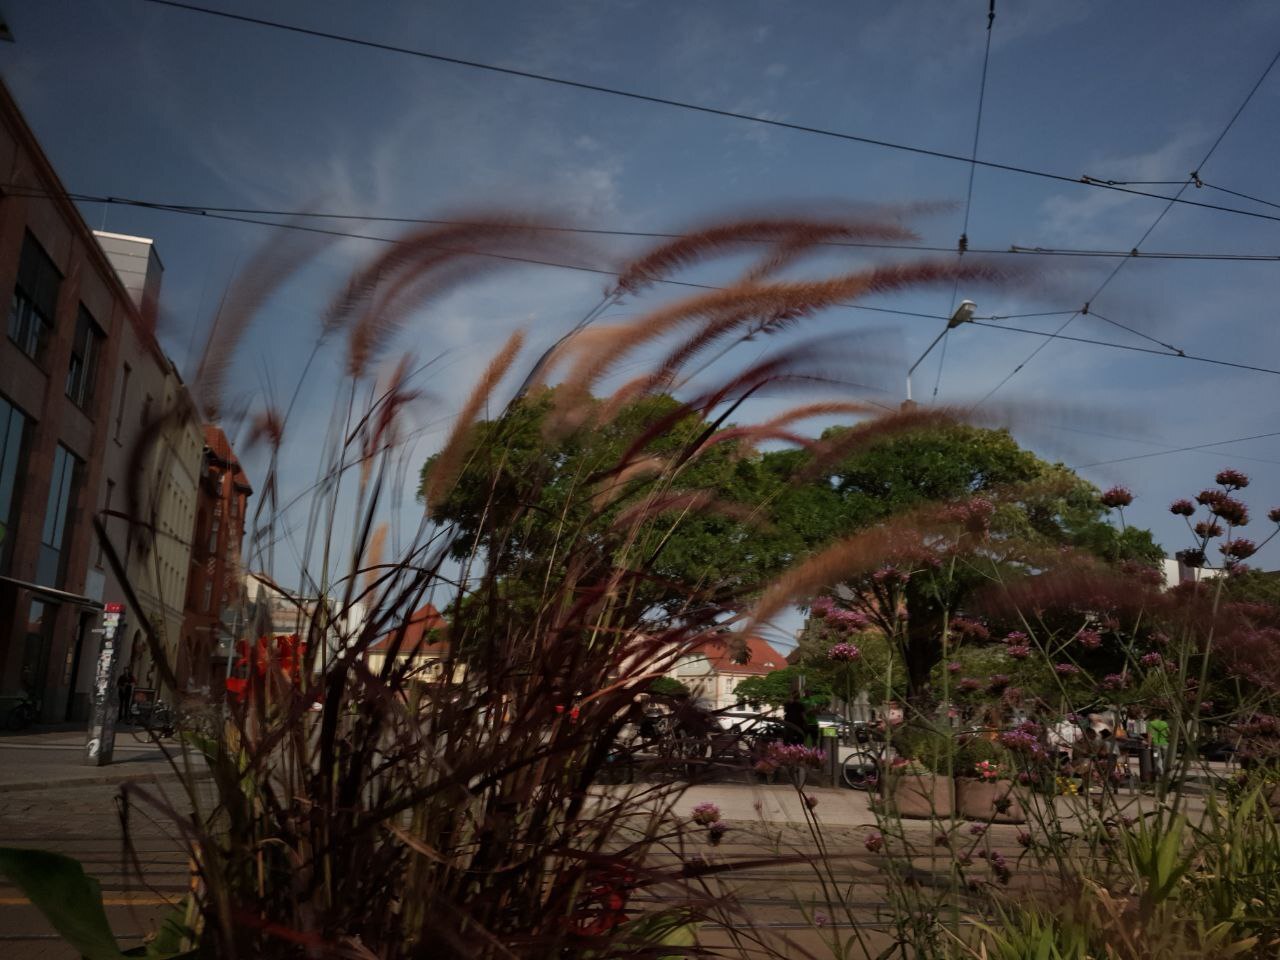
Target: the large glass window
(35, 297)
(58, 518)
(12, 428)
(82, 370)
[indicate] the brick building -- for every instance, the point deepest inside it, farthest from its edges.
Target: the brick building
(214, 582)
(66, 312)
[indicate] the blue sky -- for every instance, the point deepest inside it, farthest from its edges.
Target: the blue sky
(138, 100)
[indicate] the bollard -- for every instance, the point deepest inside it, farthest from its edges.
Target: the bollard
(1146, 770)
(830, 742)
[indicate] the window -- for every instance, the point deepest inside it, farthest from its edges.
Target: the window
(235, 504)
(82, 368)
(35, 297)
(208, 596)
(58, 519)
(12, 428)
(213, 536)
(106, 516)
(124, 394)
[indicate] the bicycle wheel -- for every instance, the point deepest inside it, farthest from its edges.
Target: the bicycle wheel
(860, 770)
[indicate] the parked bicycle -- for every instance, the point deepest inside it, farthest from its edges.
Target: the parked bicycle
(152, 721)
(22, 714)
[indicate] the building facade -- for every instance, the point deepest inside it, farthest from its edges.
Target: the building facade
(66, 314)
(152, 463)
(712, 674)
(215, 582)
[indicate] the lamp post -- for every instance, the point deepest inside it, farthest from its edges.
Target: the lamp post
(963, 314)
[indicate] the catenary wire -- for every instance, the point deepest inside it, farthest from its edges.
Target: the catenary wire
(694, 107)
(202, 210)
(968, 196)
(1165, 453)
(1192, 177)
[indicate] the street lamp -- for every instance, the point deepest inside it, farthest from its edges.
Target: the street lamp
(963, 314)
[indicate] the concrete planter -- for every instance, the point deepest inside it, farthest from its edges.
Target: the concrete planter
(993, 801)
(920, 795)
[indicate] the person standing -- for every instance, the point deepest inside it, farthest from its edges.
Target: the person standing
(1158, 737)
(124, 694)
(793, 713)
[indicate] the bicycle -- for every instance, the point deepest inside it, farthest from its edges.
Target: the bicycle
(23, 714)
(152, 722)
(861, 769)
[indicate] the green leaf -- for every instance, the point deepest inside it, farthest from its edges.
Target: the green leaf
(70, 899)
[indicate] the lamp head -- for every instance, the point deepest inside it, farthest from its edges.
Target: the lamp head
(963, 314)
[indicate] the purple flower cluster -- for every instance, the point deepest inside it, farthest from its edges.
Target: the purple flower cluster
(1115, 681)
(969, 685)
(1066, 669)
(970, 629)
(1232, 478)
(1208, 528)
(1182, 508)
(1021, 741)
(1016, 636)
(954, 666)
(1239, 548)
(997, 682)
(716, 831)
(706, 813)
(844, 653)
(779, 756)
(1089, 639)
(1152, 660)
(874, 842)
(1117, 497)
(890, 575)
(1019, 651)
(1233, 511)
(999, 867)
(1274, 515)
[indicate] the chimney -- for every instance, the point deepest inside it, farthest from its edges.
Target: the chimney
(139, 269)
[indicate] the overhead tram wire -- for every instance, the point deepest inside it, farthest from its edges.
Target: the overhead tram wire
(600, 271)
(1165, 453)
(216, 212)
(968, 196)
(692, 107)
(1191, 178)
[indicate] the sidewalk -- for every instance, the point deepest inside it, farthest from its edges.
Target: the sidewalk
(54, 757)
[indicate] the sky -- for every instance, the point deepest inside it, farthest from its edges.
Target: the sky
(141, 100)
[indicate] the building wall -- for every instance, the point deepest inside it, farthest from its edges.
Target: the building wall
(215, 589)
(45, 636)
(156, 493)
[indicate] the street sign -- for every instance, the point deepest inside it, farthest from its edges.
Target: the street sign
(104, 707)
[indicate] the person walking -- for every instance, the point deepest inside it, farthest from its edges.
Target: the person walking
(1158, 737)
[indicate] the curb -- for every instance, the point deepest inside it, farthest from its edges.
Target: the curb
(94, 780)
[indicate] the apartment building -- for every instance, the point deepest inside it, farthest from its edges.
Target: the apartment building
(67, 313)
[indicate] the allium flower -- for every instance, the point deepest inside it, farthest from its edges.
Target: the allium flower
(810, 800)
(1274, 514)
(1115, 681)
(1182, 508)
(716, 831)
(1117, 497)
(977, 829)
(1019, 651)
(706, 813)
(1239, 549)
(1232, 478)
(1208, 528)
(844, 653)
(874, 842)
(1089, 639)
(1231, 510)
(1066, 669)
(1152, 660)
(1207, 497)
(954, 666)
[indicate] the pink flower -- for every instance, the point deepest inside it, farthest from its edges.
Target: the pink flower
(1089, 639)
(977, 829)
(1274, 515)
(1208, 528)
(821, 919)
(1024, 838)
(706, 813)
(1182, 508)
(844, 653)
(997, 682)
(1207, 497)
(969, 684)
(1232, 478)
(1239, 549)
(1152, 660)
(1115, 681)
(716, 831)
(810, 800)
(953, 666)
(971, 629)
(1117, 497)
(1019, 651)
(1231, 510)
(874, 842)
(1066, 669)
(1015, 636)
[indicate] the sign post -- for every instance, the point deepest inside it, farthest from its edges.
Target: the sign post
(104, 708)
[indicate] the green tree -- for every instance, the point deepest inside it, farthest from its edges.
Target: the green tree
(775, 688)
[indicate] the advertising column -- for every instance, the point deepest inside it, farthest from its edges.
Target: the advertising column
(102, 712)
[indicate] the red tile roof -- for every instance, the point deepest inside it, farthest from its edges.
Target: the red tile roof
(761, 658)
(418, 634)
